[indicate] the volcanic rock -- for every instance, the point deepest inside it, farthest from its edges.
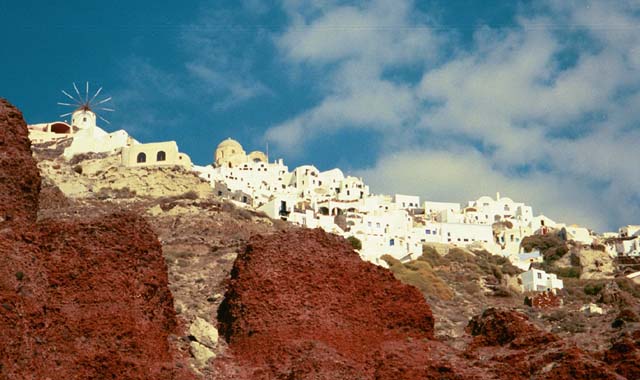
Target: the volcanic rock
(80, 299)
(513, 348)
(19, 177)
(302, 304)
(624, 355)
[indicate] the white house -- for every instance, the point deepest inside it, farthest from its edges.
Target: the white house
(536, 280)
(154, 154)
(525, 259)
(485, 210)
(45, 132)
(407, 202)
(579, 234)
(630, 230)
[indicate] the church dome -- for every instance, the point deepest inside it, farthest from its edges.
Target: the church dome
(230, 153)
(229, 144)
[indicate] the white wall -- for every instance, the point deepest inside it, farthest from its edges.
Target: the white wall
(152, 151)
(539, 280)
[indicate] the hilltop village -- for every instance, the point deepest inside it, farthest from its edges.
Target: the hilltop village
(209, 272)
(396, 225)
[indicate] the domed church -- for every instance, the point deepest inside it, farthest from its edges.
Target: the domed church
(231, 154)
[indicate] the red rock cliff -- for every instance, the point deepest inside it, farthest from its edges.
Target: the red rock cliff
(302, 304)
(19, 177)
(78, 300)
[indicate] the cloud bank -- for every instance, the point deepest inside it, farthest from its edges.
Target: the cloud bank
(544, 110)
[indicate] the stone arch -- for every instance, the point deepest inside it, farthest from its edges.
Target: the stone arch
(161, 156)
(141, 158)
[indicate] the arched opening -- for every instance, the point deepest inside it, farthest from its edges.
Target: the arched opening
(161, 156)
(141, 158)
(61, 128)
(324, 210)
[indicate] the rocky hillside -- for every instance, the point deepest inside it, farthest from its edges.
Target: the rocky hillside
(131, 273)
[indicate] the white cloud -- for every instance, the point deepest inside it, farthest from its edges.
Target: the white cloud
(544, 110)
(361, 42)
(457, 175)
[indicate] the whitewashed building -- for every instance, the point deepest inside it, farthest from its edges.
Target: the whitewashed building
(536, 280)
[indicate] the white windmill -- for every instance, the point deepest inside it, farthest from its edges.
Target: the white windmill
(85, 113)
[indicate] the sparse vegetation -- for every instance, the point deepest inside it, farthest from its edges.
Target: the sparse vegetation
(19, 276)
(570, 272)
(420, 274)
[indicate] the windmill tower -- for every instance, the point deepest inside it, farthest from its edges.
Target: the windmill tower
(85, 115)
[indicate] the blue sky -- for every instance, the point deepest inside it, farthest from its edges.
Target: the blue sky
(449, 100)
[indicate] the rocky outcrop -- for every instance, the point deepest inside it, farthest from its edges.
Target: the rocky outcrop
(497, 327)
(82, 298)
(513, 348)
(624, 355)
(102, 176)
(302, 304)
(596, 265)
(19, 177)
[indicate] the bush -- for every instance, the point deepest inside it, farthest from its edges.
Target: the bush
(458, 255)
(430, 255)
(570, 272)
(19, 276)
(510, 269)
(355, 242)
(593, 289)
(551, 246)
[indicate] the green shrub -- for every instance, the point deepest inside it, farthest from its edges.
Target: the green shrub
(355, 242)
(593, 289)
(19, 276)
(431, 255)
(570, 272)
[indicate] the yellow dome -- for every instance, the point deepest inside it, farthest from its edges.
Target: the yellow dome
(229, 143)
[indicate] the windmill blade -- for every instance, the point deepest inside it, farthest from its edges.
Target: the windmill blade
(66, 114)
(103, 119)
(86, 94)
(70, 97)
(106, 109)
(77, 92)
(66, 104)
(96, 94)
(103, 101)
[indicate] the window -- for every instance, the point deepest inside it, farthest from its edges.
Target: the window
(428, 232)
(161, 156)
(540, 276)
(392, 242)
(141, 158)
